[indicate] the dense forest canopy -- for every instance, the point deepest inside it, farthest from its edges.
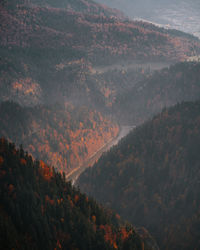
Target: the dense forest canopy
(40, 210)
(61, 136)
(164, 88)
(72, 73)
(57, 52)
(152, 177)
(50, 51)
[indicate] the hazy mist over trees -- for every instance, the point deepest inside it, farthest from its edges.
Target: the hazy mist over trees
(175, 14)
(76, 76)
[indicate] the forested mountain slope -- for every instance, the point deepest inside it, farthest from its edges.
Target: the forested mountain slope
(152, 177)
(175, 14)
(83, 6)
(61, 136)
(164, 88)
(47, 51)
(40, 210)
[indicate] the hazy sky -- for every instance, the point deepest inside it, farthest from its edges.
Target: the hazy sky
(177, 14)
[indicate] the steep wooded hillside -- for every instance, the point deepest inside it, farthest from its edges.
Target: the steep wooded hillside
(47, 51)
(40, 210)
(179, 82)
(152, 177)
(61, 136)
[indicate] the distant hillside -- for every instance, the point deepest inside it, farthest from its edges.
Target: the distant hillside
(175, 14)
(83, 6)
(180, 82)
(49, 50)
(152, 177)
(61, 136)
(40, 210)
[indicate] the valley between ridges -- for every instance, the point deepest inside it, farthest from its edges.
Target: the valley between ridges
(75, 173)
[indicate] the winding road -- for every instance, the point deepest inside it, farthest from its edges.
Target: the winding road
(75, 173)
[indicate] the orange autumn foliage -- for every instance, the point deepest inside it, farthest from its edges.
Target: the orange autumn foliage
(58, 245)
(59, 201)
(109, 236)
(48, 200)
(23, 161)
(10, 188)
(118, 216)
(1, 160)
(76, 198)
(62, 141)
(70, 200)
(93, 218)
(46, 171)
(124, 233)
